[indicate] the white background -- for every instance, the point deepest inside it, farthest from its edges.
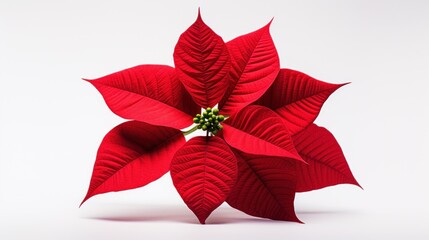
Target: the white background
(51, 122)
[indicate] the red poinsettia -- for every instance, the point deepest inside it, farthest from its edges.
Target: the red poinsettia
(260, 146)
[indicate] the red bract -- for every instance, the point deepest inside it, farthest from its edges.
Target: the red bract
(267, 149)
(203, 172)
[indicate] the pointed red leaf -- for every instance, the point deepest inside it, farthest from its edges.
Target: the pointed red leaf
(202, 63)
(265, 187)
(254, 66)
(132, 155)
(297, 97)
(326, 166)
(203, 171)
(259, 130)
(148, 93)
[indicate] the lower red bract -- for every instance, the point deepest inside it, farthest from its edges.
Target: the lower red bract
(132, 155)
(265, 187)
(203, 171)
(326, 166)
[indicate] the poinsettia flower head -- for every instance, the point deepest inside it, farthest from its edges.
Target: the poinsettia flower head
(260, 146)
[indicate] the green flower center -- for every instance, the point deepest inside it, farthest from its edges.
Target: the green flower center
(210, 120)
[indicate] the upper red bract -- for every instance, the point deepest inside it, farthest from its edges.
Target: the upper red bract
(269, 148)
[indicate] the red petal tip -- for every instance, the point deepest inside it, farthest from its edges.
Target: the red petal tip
(86, 198)
(202, 220)
(83, 201)
(357, 184)
(266, 28)
(199, 15)
(295, 219)
(339, 85)
(269, 24)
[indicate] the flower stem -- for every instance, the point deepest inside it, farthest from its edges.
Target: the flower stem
(186, 133)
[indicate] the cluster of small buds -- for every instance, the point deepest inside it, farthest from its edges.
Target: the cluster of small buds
(210, 120)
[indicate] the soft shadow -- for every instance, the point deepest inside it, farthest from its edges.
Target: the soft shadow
(314, 215)
(139, 213)
(163, 213)
(322, 212)
(181, 214)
